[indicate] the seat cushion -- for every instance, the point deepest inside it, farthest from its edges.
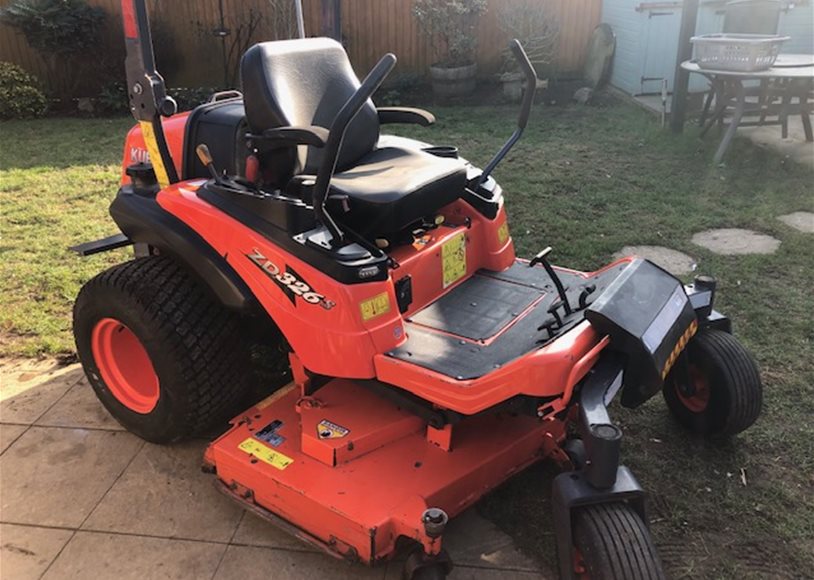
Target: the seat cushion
(393, 187)
(302, 82)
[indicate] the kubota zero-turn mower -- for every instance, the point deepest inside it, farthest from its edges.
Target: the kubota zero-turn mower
(429, 363)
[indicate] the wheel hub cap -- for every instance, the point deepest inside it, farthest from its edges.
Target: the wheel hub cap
(125, 365)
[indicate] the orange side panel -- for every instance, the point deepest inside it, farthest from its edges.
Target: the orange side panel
(135, 151)
(329, 337)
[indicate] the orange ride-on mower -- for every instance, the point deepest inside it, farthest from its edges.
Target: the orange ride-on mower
(429, 364)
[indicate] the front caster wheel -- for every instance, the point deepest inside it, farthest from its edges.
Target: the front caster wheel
(419, 566)
(724, 394)
(613, 543)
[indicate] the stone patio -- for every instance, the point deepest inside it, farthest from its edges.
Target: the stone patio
(81, 498)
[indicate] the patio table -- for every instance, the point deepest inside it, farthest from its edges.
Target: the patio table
(794, 74)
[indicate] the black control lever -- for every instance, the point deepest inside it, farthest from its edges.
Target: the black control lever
(525, 110)
(206, 159)
(541, 258)
(336, 135)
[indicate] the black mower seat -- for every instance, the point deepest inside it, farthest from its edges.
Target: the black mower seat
(376, 189)
(392, 187)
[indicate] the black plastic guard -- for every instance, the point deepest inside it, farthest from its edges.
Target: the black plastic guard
(647, 314)
(142, 220)
(572, 490)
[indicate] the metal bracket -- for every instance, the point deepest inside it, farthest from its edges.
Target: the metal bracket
(573, 490)
(602, 439)
(104, 245)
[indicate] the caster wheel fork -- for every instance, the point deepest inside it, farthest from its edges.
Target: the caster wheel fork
(430, 561)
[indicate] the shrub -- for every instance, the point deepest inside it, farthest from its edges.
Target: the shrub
(60, 31)
(451, 27)
(20, 96)
(529, 21)
(112, 99)
(190, 97)
(58, 27)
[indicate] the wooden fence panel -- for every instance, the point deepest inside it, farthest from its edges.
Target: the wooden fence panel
(189, 54)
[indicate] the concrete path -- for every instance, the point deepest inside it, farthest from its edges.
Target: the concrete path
(81, 498)
(794, 147)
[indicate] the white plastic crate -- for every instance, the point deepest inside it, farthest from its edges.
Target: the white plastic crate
(737, 52)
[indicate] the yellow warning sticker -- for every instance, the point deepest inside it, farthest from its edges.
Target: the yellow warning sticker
(265, 454)
(148, 133)
(328, 430)
(376, 306)
(503, 233)
(453, 259)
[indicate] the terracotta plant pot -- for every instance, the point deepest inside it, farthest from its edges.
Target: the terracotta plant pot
(453, 81)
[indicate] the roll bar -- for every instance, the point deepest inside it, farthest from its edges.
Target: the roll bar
(146, 89)
(525, 110)
(337, 134)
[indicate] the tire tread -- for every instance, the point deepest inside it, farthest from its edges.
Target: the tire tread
(200, 335)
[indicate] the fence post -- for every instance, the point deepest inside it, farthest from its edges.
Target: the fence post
(681, 82)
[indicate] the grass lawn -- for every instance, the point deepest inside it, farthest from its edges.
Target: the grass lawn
(586, 181)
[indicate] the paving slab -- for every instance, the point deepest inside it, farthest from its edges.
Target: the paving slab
(26, 394)
(794, 147)
(460, 572)
(26, 551)
(55, 477)
(123, 557)
(79, 408)
(799, 220)
(164, 493)
(11, 365)
(9, 434)
(254, 563)
(673, 261)
(735, 241)
(255, 531)
(472, 540)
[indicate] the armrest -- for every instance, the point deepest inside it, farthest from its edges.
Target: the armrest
(405, 115)
(312, 135)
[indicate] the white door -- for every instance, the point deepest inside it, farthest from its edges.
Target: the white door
(660, 49)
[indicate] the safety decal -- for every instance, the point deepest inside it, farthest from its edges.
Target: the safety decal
(265, 453)
(329, 430)
(682, 342)
(453, 259)
(503, 233)
(376, 306)
(289, 281)
(269, 434)
(148, 133)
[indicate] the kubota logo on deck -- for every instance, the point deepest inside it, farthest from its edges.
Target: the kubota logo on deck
(289, 281)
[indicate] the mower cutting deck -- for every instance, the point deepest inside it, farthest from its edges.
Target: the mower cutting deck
(429, 364)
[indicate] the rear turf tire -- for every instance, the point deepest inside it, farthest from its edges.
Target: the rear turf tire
(196, 348)
(615, 544)
(728, 393)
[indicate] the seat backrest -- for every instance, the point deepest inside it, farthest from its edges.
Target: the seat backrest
(305, 82)
(752, 17)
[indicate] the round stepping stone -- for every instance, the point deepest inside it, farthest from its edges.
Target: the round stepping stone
(673, 261)
(735, 241)
(799, 220)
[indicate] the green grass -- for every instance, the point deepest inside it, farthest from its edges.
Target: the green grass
(586, 181)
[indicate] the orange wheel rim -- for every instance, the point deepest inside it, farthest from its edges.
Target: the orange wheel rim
(125, 365)
(580, 570)
(699, 400)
